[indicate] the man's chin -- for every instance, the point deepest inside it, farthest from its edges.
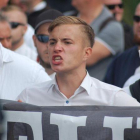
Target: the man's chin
(137, 39)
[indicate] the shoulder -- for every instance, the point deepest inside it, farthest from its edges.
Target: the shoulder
(23, 63)
(37, 90)
(128, 53)
(103, 86)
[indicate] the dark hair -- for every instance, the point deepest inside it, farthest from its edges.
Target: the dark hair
(87, 29)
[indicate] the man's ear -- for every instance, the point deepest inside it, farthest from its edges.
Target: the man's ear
(88, 52)
(25, 29)
(34, 39)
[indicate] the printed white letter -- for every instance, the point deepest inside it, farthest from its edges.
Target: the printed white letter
(31, 118)
(118, 124)
(67, 125)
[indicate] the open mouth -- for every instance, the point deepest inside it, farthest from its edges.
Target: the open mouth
(57, 59)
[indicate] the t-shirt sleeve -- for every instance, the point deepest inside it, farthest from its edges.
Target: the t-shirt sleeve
(112, 36)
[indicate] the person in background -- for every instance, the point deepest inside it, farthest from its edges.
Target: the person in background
(70, 45)
(3, 3)
(30, 30)
(33, 9)
(5, 33)
(116, 7)
(41, 38)
(109, 39)
(126, 64)
(18, 21)
(16, 71)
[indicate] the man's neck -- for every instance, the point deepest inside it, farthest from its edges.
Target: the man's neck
(91, 13)
(17, 45)
(49, 71)
(69, 82)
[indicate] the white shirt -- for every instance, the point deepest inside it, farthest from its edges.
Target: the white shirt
(40, 6)
(90, 92)
(17, 73)
(26, 51)
(28, 37)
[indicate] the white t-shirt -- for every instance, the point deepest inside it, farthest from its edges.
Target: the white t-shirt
(28, 37)
(90, 92)
(26, 51)
(17, 73)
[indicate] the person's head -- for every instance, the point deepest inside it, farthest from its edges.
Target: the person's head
(136, 26)
(83, 5)
(5, 32)
(70, 44)
(18, 21)
(116, 8)
(41, 36)
(3, 3)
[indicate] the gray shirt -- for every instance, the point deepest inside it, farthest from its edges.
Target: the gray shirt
(112, 37)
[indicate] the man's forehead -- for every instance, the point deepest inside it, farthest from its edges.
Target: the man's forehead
(138, 10)
(66, 30)
(112, 1)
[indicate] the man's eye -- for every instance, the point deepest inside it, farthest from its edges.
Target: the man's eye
(1, 39)
(68, 42)
(52, 43)
(9, 38)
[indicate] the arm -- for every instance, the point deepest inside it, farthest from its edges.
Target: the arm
(109, 41)
(99, 51)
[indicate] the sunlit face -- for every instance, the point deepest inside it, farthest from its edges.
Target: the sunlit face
(117, 11)
(42, 48)
(137, 26)
(19, 31)
(3, 3)
(5, 35)
(67, 48)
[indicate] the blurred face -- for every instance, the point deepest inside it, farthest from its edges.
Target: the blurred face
(17, 31)
(67, 48)
(79, 4)
(3, 3)
(42, 47)
(137, 25)
(116, 7)
(5, 35)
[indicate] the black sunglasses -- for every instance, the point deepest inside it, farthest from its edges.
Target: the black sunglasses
(136, 18)
(16, 24)
(112, 7)
(43, 38)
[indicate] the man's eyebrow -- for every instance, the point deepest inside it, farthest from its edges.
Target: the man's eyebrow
(52, 39)
(66, 39)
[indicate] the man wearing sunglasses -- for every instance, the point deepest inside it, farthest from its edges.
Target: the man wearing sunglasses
(18, 21)
(127, 64)
(41, 38)
(116, 7)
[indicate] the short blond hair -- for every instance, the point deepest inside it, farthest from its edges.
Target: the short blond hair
(62, 20)
(10, 8)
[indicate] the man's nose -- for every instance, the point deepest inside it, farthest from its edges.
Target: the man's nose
(58, 47)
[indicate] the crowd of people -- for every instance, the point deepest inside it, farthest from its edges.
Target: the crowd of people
(83, 55)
